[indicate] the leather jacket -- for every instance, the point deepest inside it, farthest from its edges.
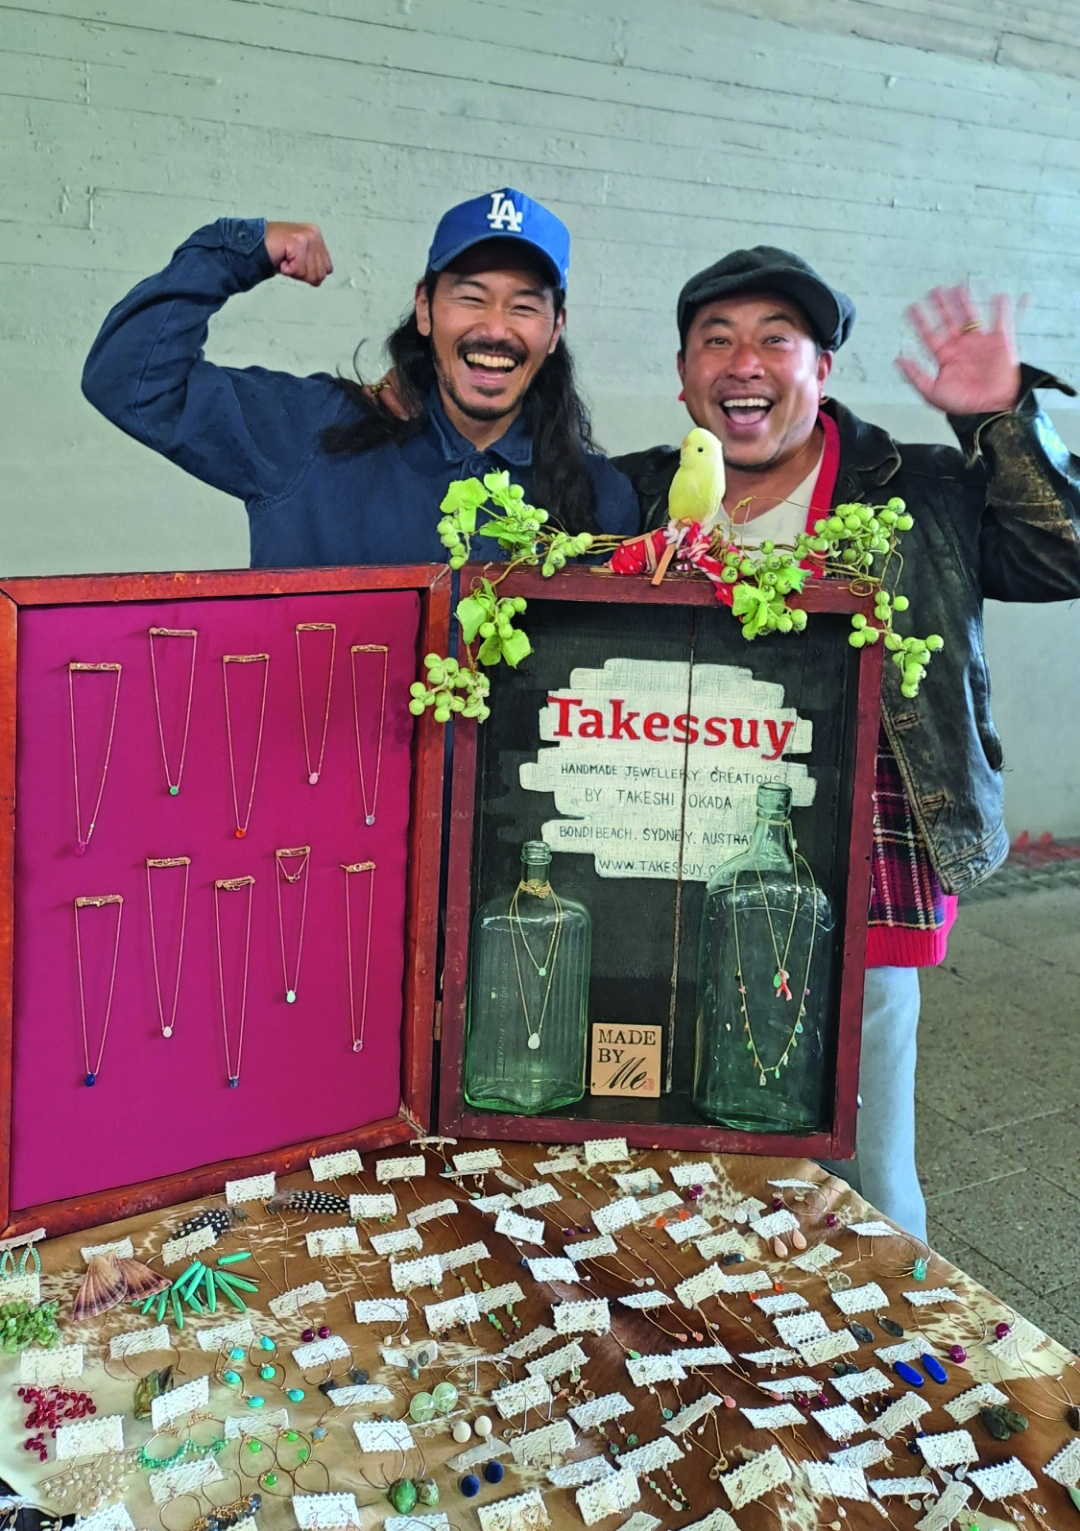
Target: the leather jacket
(998, 519)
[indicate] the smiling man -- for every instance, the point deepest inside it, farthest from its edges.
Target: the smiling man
(999, 518)
(328, 472)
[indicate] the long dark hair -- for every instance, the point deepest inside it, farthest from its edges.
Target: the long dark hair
(554, 413)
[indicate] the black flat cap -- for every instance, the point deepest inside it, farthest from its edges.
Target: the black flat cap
(767, 269)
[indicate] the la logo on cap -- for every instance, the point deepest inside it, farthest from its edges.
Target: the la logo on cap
(503, 214)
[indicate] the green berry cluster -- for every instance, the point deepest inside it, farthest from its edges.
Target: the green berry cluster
(853, 534)
(762, 585)
(486, 615)
(561, 547)
(911, 656)
(23, 1324)
(851, 538)
(518, 530)
(450, 688)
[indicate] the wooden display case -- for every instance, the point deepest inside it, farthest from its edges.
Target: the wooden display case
(584, 625)
(161, 1124)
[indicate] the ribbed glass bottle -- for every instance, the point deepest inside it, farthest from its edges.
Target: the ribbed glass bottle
(765, 965)
(527, 1028)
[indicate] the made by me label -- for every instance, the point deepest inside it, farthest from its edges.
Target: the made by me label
(625, 1060)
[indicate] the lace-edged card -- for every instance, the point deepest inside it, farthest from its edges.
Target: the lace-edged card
(325, 1512)
(759, 1476)
(521, 1512)
(598, 1411)
(944, 1511)
(1003, 1480)
(607, 1496)
(951, 1448)
(830, 1480)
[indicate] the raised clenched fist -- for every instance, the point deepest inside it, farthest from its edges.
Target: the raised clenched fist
(298, 250)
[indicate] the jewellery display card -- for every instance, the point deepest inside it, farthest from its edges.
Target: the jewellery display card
(192, 778)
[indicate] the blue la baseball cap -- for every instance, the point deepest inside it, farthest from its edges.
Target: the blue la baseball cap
(505, 214)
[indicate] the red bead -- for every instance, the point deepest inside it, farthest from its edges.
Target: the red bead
(240, 833)
(1002, 1329)
(324, 1331)
(777, 1203)
(957, 1353)
(307, 1336)
(830, 1220)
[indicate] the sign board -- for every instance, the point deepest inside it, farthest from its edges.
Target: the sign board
(633, 740)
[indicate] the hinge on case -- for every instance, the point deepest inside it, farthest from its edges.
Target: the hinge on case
(437, 1029)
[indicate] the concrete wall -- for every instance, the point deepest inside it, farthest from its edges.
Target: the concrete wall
(894, 146)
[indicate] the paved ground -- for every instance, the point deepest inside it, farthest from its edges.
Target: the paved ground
(998, 1100)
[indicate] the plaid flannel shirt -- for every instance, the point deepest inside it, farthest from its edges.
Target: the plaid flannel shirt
(910, 916)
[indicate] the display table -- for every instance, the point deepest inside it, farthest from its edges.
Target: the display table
(1036, 1377)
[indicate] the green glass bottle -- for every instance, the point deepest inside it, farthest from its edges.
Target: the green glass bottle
(527, 1029)
(765, 980)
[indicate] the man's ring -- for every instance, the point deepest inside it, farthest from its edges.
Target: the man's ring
(972, 324)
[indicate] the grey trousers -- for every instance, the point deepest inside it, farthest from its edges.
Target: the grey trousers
(883, 1170)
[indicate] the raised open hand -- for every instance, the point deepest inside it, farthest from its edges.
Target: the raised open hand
(977, 367)
(298, 250)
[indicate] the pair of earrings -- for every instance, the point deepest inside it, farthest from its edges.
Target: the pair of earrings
(470, 1484)
(268, 1371)
(406, 1493)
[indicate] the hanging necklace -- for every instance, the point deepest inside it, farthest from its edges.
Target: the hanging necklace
(369, 648)
(151, 865)
(357, 1038)
(98, 902)
(543, 969)
(301, 853)
(233, 885)
(173, 632)
(226, 660)
(81, 840)
(314, 772)
(764, 1069)
(781, 975)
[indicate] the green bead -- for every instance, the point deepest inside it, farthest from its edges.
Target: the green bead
(427, 1491)
(174, 791)
(234, 1259)
(291, 1435)
(919, 1271)
(422, 1408)
(631, 1440)
(303, 1454)
(635, 1355)
(402, 1495)
(668, 1413)
(266, 1373)
(294, 1394)
(270, 1479)
(254, 1445)
(444, 1396)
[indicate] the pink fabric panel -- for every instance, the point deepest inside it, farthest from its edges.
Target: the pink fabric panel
(161, 1106)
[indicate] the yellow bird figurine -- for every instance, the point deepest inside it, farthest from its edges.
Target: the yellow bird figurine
(697, 490)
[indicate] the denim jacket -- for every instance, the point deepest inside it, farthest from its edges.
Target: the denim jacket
(255, 433)
(998, 520)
